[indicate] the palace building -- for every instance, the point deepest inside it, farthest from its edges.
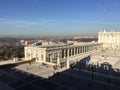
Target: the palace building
(60, 54)
(110, 40)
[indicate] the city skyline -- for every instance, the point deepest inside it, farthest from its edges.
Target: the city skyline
(57, 18)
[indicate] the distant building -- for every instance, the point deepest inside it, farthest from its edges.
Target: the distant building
(84, 36)
(71, 42)
(22, 42)
(110, 40)
(45, 42)
(27, 42)
(36, 42)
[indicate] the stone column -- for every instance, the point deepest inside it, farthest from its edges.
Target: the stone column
(77, 51)
(67, 62)
(31, 55)
(58, 59)
(83, 49)
(68, 65)
(74, 51)
(80, 49)
(51, 57)
(87, 48)
(71, 52)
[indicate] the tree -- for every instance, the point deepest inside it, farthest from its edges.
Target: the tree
(19, 52)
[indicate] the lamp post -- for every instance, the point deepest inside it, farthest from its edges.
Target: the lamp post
(109, 79)
(97, 66)
(86, 64)
(92, 71)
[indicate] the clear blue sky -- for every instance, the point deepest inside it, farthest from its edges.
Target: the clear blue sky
(58, 17)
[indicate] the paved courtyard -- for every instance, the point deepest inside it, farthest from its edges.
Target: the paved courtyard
(110, 56)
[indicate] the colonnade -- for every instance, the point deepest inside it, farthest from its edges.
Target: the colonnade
(65, 53)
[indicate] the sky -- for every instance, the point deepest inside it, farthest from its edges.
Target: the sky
(46, 18)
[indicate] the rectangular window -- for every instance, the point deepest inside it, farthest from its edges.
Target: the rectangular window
(60, 54)
(55, 56)
(41, 57)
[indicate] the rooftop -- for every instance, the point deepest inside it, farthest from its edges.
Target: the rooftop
(63, 45)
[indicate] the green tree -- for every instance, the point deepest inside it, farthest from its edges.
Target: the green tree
(19, 52)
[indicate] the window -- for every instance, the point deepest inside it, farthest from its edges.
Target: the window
(60, 54)
(36, 55)
(55, 56)
(41, 57)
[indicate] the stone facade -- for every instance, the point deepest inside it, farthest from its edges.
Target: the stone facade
(60, 53)
(110, 40)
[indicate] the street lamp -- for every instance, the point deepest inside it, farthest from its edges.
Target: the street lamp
(97, 66)
(92, 71)
(109, 79)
